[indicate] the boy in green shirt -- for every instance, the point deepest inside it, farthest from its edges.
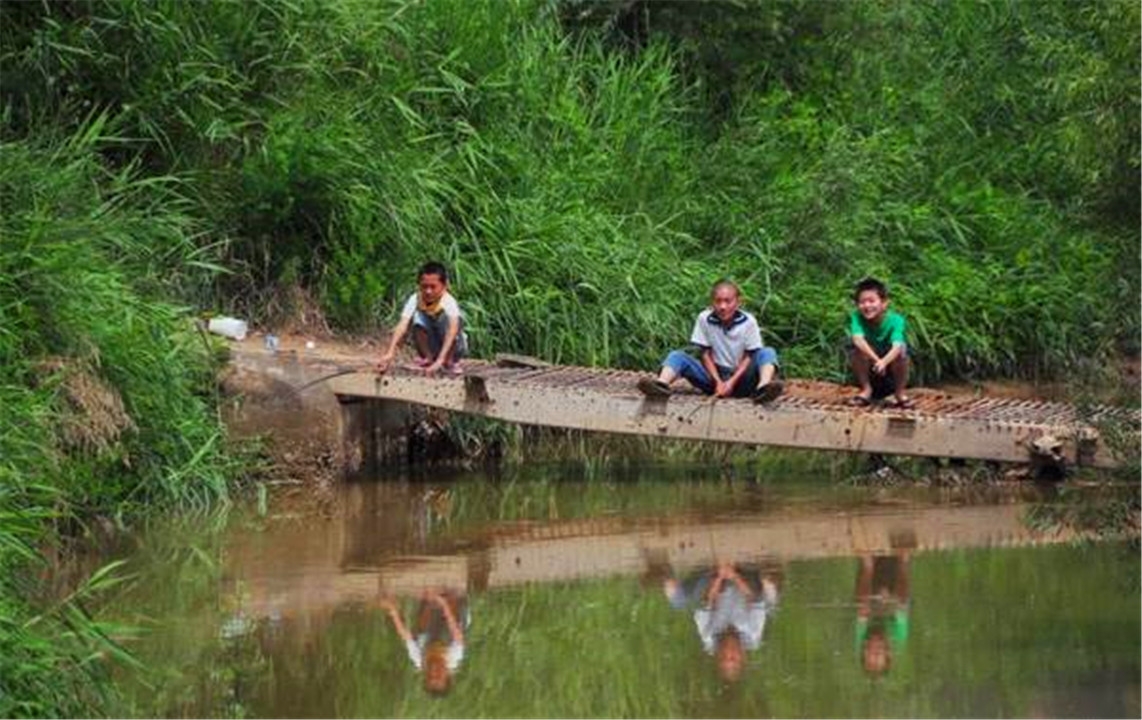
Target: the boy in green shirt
(878, 352)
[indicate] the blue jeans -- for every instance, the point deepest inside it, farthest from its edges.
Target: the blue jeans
(692, 369)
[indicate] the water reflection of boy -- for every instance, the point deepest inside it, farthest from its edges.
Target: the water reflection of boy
(732, 620)
(731, 604)
(438, 646)
(883, 604)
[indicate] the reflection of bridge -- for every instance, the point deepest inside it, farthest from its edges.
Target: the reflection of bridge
(810, 415)
(330, 571)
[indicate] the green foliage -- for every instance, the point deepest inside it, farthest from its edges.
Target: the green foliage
(105, 389)
(590, 168)
(83, 338)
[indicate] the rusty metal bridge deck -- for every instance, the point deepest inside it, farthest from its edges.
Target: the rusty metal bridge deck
(810, 414)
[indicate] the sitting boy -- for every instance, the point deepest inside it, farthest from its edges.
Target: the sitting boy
(878, 352)
(734, 363)
(436, 321)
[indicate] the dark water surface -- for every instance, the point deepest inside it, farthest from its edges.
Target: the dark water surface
(650, 596)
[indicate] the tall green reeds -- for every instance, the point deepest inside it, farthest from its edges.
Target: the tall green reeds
(105, 387)
(589, 169)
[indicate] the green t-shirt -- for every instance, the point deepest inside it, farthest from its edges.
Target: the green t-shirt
(894, 624)
(882, 337)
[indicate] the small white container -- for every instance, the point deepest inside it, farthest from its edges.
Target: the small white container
(232, 328)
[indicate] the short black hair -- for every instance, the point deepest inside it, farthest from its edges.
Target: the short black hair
(726, 282)
(870, 283)
(433, 268)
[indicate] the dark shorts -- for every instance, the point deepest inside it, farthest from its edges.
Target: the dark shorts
(430, 618)
(882, 385)
(436, 328)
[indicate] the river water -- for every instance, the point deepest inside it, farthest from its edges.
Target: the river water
(648, 593)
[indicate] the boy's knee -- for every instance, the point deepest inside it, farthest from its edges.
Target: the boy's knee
(676, 360)
(765, 356)
(901, 364)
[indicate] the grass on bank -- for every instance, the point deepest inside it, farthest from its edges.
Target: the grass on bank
(107, 400)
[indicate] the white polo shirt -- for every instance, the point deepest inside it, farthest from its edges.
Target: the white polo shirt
(728, 341)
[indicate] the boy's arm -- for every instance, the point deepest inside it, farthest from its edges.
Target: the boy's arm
(856, 334)
(743, 586)
(890, 356)
(394, 615)
(450, 618)
(864, 348)
(729, 572)
(739, 371)
(715, 588)
(398, 334)
(712, 369)
(898, 343)
(864, 586)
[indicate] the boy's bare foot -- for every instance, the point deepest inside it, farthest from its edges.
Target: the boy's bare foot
(768, 392)
(653, 387)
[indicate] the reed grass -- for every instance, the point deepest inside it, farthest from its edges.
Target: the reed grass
(588, 171)
(106, 389)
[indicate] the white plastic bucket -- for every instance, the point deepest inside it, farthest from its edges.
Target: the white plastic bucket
(232, 328)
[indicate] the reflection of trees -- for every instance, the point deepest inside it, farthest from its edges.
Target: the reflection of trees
(1110, 510)
(1105, 512)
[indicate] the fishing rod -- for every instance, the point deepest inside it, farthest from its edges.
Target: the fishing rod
(324, 378)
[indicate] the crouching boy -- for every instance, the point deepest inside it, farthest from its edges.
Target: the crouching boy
(733, 361)
(878, 353)
(436, 321)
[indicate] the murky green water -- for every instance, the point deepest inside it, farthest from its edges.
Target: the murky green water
(646, 596)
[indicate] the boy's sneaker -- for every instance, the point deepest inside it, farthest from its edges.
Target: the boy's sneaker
(653, 387)
(421, 362)
(454, 368)
(768, 392)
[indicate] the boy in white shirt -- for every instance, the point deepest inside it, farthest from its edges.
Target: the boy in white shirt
(436, 321)
(734, 363)
(732, 620)
(437, 648)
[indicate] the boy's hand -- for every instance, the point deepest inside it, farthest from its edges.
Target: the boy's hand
(880, 366)
(723, 389)
(433, 368)
(384, 362)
